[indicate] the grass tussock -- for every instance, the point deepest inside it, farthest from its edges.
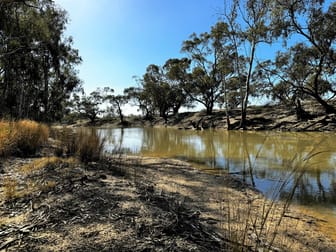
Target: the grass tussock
(7, 138)
(91, 146)
(24, 137)
(86, 144)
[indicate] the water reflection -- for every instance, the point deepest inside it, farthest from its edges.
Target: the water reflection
(263, 159)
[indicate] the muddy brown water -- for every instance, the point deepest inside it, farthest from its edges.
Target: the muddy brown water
(273, 162)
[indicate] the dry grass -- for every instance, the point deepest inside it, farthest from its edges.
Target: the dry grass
(91, 146)
(7, 138)
(23, 137)
(10, 188)
(40, 163)
(30, 136)
(84, 143)
(27, 183)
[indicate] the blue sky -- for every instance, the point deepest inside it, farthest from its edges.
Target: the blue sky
(118, 39)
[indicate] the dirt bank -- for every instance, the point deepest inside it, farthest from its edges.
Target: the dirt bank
(258, 118)
(131, 204)
(274, 117)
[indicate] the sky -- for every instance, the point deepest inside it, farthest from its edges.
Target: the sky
(118, 39)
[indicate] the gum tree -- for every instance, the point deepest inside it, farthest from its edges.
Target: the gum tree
(313, 23)
(249, 22)
(206, 52)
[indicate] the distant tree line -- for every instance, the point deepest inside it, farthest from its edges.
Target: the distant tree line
(220, 67)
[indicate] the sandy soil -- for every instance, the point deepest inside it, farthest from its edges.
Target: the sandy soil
(143, 204)
(271, 117)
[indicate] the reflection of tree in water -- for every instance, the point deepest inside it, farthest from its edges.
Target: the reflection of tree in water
(115, 140)
(253, 155)
(311, 190)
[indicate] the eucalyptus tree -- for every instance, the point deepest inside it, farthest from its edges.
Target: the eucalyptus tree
(160, 88)
(314, 58)
(37, 61)
(206, 52)
(177, 74)
(156, 89)
(116, 101)
(90, 106)
(138, 97)
(250, 25)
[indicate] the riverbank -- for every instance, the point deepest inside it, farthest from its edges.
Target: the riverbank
(271, 117)
(126, 203)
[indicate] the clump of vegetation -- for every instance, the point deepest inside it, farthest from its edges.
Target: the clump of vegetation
(90, 146)
(87, 144)
(30, 136)
(67, 138)
(24, 137)
(6, 138)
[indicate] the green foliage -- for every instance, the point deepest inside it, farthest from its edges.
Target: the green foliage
(36, 61)
(161, 88)
(117, 101)
(306, 69)
(89, 106)
(210, 55)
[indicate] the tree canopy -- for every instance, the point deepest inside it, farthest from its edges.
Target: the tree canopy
(37, 62)
(220, 67)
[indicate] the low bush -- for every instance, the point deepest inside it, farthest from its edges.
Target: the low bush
(23, 137)
(30, 136)
(7, 138)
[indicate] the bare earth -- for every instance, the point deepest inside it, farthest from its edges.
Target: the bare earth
(131, 204)
(271, 117)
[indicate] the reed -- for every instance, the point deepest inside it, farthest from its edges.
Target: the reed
(90, 145)
(259, 224)
(86, 144)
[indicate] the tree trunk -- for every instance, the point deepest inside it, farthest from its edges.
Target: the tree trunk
(209, 108)
(329, 109)
(121, 116)
(226, 106)
(247, 88)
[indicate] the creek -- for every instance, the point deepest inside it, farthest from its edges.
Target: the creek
(276, 163)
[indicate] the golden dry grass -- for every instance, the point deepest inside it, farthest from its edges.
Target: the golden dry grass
(24, 137)
(39, 164)
(13, 187)
(7, 138)
(30, 135)
(84, 143)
